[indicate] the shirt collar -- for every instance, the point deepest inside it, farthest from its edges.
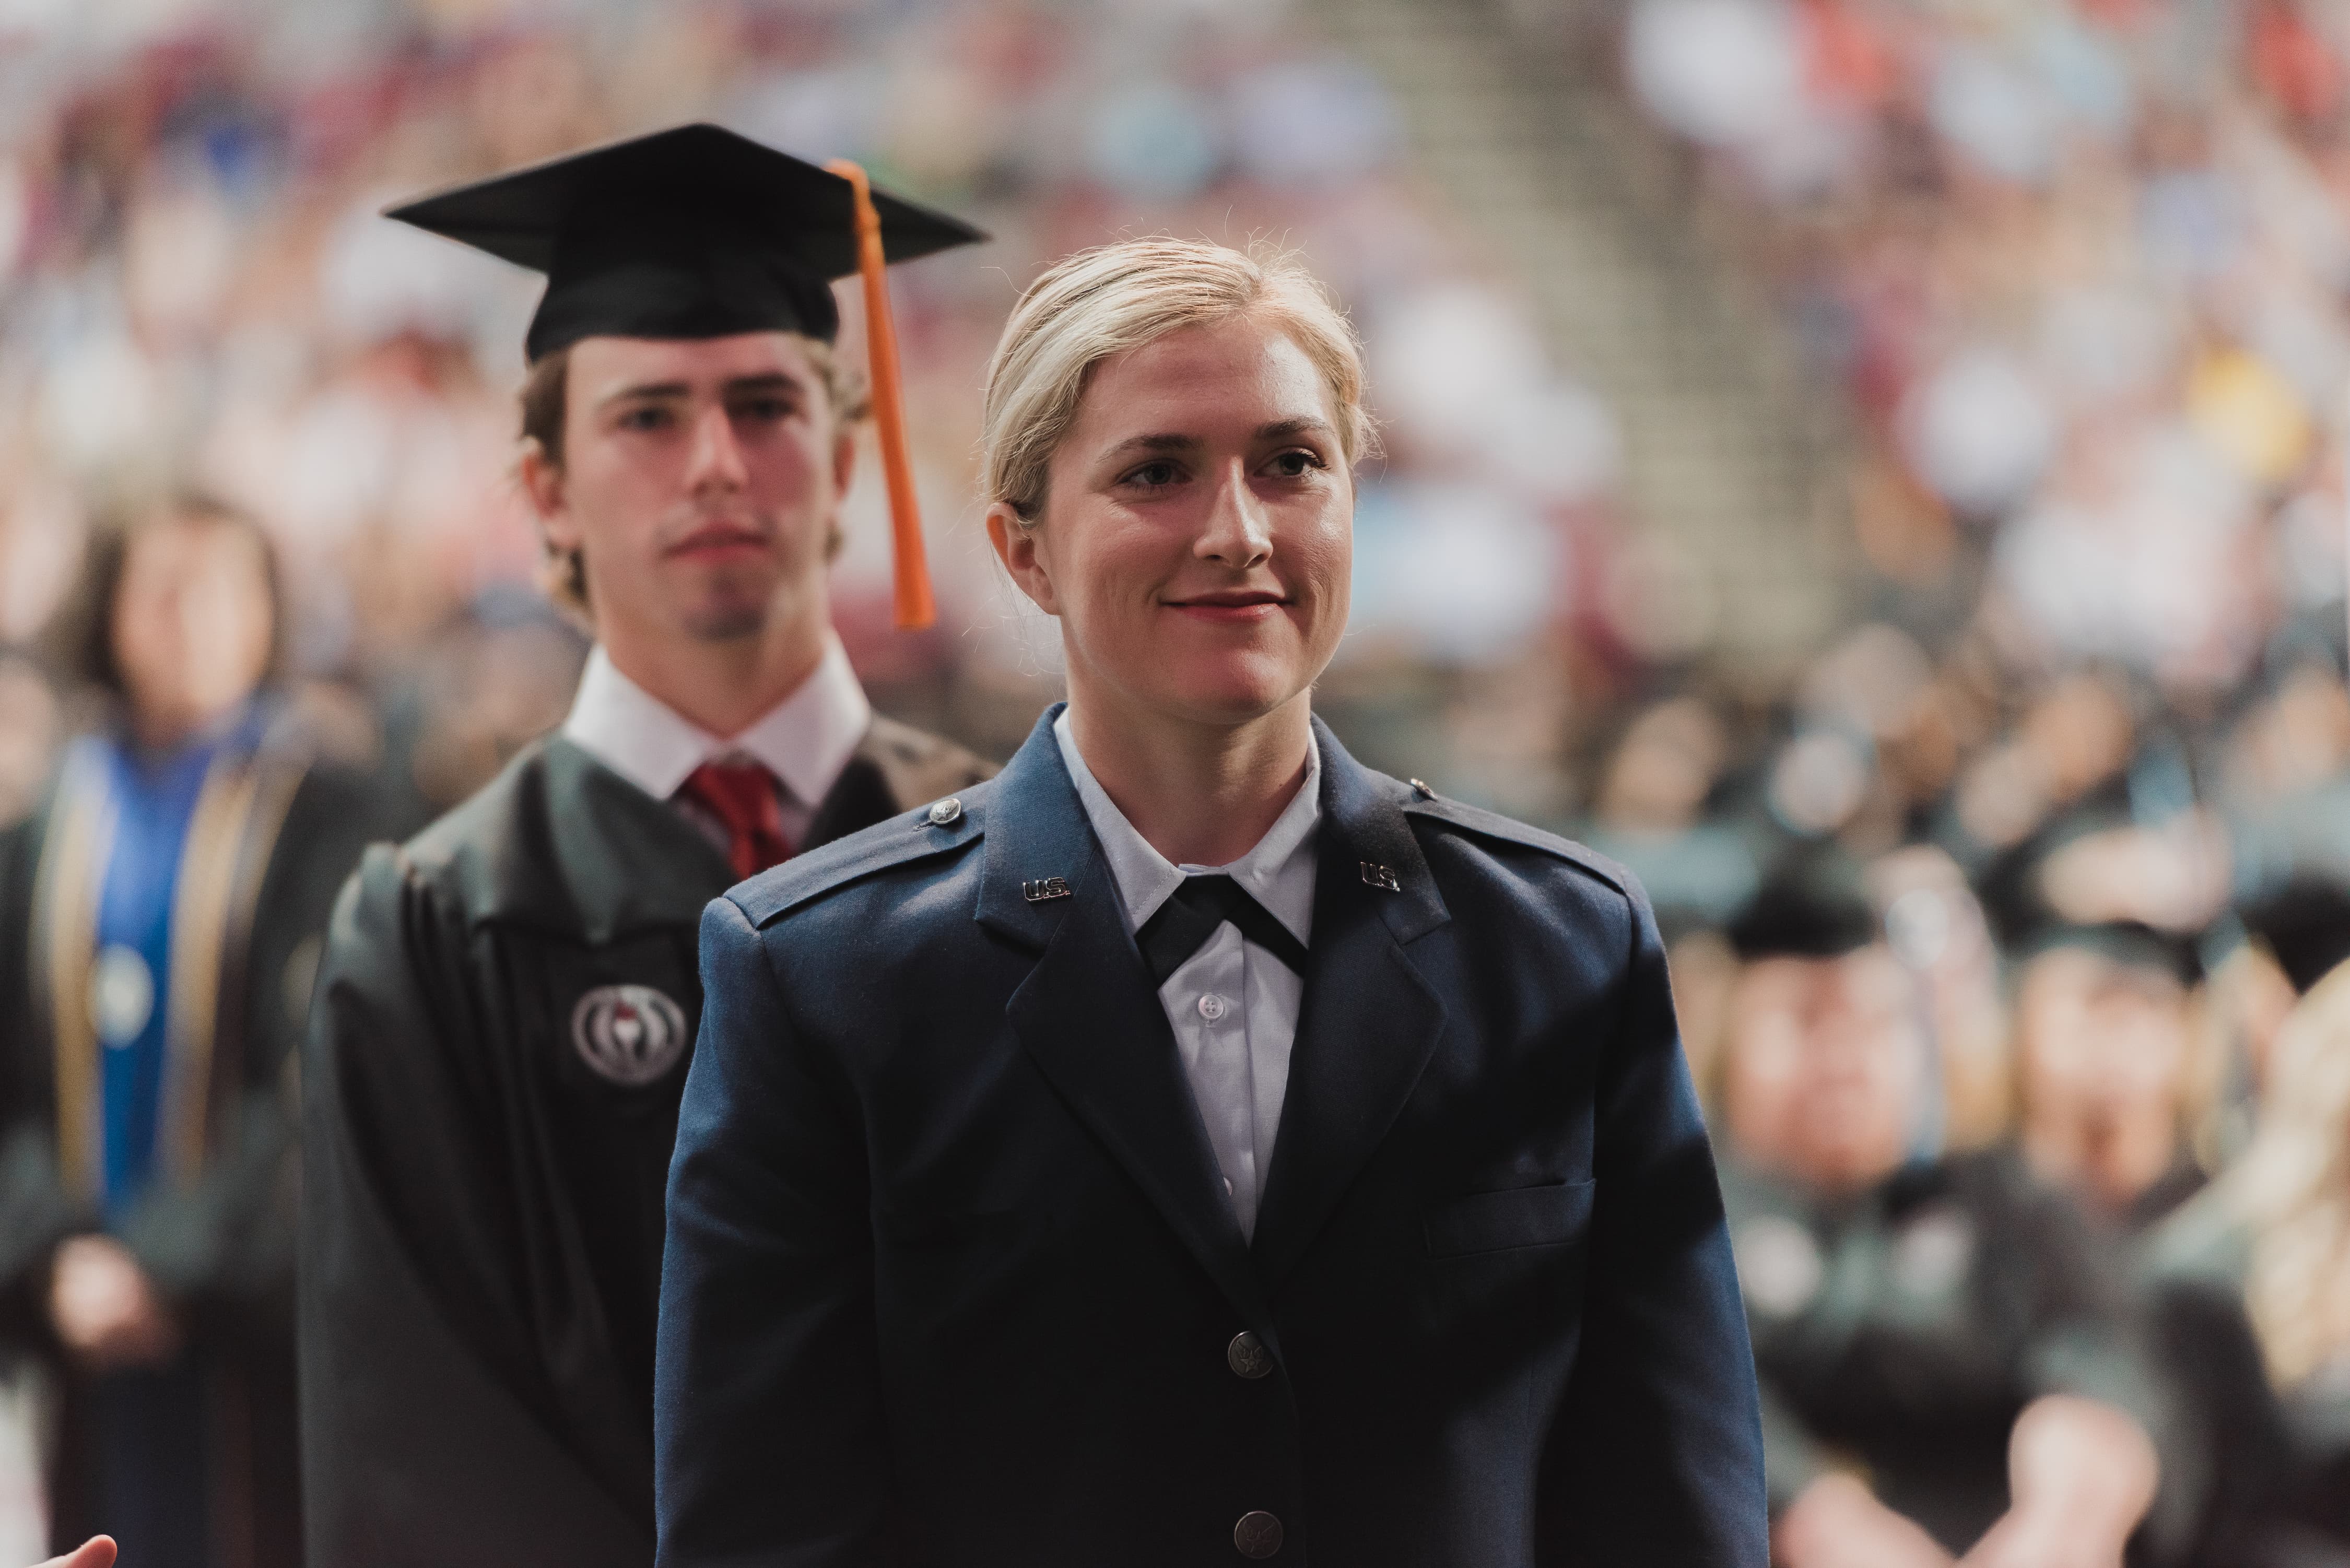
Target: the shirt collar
(1278, 872)
(804, 740)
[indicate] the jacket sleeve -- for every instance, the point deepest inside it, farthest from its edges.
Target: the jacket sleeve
(417, 1445)
(767, 1414)
(35, 1211)
(1656, 1456)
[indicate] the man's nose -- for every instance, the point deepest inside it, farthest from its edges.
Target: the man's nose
(1238, 532)
(715, 458)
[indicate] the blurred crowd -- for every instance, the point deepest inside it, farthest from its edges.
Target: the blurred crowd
(2003, 929)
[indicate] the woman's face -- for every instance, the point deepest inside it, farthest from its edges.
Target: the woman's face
(1197, 535)
(191, 623)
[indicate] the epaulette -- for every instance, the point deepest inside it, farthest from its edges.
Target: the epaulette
(1425, 802)
(939, 828)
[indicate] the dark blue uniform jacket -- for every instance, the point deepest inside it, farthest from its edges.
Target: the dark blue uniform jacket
(951, 1277)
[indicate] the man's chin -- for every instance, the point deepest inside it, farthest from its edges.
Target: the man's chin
(726, 622)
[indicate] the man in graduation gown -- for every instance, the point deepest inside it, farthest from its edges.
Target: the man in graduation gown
(161, 912)
(509, 1000)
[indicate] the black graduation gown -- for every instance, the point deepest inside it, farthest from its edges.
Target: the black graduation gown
(491, 1081)
(1909, 1327)
(273, 837)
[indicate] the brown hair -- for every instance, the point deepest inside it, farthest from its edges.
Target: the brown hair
(562, 576)
(81, 636)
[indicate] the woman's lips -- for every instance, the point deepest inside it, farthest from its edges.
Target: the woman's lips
(1229, 607)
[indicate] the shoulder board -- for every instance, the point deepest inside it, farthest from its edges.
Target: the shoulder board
(902, 840)
(1492, 825)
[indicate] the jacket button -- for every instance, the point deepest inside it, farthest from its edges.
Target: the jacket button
(1247, 1355)
(1258, 1534)
(944, 812)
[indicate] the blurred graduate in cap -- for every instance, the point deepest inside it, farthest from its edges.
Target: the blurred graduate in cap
(2101, 921)
(2249, 1283)
(509, 1000)
(161, 912)
(1942, 1362)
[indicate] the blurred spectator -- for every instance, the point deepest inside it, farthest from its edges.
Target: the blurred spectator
(159, 915)
(2252, 1286)
(1944, 1354)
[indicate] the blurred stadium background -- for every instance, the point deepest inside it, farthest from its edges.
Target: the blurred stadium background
(1892, 422)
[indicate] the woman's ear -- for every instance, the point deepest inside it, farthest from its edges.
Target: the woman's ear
(1019, 547)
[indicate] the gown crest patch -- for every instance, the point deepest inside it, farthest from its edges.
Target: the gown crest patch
(630, 1035)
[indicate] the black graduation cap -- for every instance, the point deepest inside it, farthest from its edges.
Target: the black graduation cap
(2305, 923)
(695, 232)
(1814, 903)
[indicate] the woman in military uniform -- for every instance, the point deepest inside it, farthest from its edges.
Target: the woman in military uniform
(159, 918)
(510, 1000)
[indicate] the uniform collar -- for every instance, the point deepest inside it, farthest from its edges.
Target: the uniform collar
(805, 740)
(1278, 872)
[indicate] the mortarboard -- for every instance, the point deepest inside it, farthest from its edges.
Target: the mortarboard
(1814, 904)
(695, 232)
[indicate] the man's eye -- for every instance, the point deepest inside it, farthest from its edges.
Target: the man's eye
(645, 418)
(767, 409)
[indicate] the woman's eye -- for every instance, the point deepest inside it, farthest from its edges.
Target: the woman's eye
(1151, 475)
(1296, 464)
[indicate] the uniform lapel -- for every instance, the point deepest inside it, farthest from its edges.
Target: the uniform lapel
(1370, 1018)
(1088, 1016)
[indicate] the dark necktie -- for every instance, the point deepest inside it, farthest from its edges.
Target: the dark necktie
(741, 797)
(1183, 925)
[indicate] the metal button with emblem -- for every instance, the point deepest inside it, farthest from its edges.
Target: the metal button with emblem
(1247, 1355)
(1423, 791)
(630, 1035)
(945, 812)
(1257, 1535)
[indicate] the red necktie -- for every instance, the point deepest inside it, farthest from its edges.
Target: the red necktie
(742, 796)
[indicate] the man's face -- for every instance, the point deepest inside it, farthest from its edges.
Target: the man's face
(701, 482)
(2102, 1043)
(1825, 1067)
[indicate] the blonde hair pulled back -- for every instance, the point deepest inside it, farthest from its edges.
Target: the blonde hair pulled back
(1111, 300)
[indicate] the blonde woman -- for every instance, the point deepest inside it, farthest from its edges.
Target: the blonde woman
(2252, 1293)
(1192, 1146)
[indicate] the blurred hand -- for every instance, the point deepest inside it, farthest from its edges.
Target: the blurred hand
(2082, 1475)
(106, 1312)
(1836, 1522)
(98, 1552)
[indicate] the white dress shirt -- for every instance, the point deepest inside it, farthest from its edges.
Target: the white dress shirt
(1232, 1005)
(805, 740)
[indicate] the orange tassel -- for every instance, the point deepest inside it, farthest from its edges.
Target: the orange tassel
(915, 606)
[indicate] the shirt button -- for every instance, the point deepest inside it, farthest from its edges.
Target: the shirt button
(1211, 1007)
(1258, 1534)
(1247, 1355)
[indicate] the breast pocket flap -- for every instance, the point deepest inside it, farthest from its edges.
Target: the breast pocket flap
(1517, 1217)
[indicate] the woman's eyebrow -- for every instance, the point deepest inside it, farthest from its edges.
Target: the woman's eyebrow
(1157, 443)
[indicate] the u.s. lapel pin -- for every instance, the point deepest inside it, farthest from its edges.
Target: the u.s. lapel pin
(1380, 877)
(1045, 890)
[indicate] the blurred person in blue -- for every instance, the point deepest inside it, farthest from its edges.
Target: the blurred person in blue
(1192, 1146)
(161, 912)
(509, 1000)
(2249, 1283)
(1945, 1357)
